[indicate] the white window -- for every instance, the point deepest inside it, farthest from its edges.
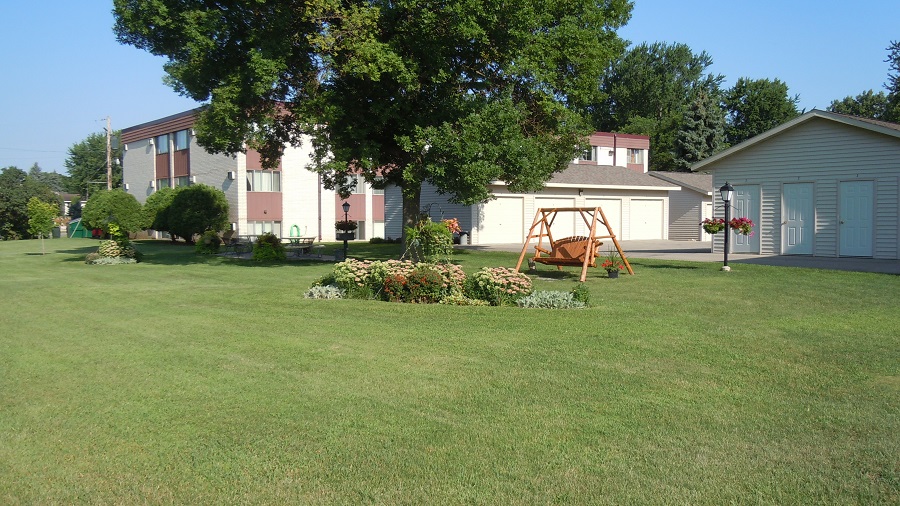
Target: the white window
(263, 181)
(162, 183)
(162, 144)
(356, 183)
(379, 181)
(181, 140)
(635, 156)
(258, 228)
(589, 154)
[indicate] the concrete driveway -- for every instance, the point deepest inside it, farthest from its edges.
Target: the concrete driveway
(700, 252)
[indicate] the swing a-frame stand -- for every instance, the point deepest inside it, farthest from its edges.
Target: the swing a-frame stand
(570, 251)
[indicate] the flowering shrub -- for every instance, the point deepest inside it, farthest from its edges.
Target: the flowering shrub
(462, 300)
(742, 225)
(612, 262)
(498, 285)
(452, 225)
(713, 225)
(424, 284)
(395, 287)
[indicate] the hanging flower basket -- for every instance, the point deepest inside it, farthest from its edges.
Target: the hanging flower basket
(713, 225)
(345, 226)
(743, 226)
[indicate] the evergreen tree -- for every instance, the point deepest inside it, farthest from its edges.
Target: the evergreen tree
(702, 133)
(893, 85)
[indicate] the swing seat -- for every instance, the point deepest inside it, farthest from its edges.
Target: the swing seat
(569, 251)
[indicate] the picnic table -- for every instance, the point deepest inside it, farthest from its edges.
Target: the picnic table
(299, 245)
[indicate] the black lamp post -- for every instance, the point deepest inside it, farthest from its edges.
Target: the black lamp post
(727, 192)
(346, 207)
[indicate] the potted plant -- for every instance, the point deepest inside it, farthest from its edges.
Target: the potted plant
(743, 226)
(713, 225)
(346, 230)
(612, 264)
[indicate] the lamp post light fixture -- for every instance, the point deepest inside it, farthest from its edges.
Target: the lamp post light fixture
(346, 207)
(727, 192)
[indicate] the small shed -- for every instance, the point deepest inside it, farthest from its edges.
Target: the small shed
(822, 184)
(77, 229)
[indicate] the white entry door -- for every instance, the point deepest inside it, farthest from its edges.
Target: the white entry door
(746, 204)
(856, 214)
(798, 212)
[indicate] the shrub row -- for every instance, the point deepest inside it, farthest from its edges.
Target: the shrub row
(404, 281)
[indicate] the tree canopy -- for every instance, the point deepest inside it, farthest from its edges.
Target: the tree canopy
(757, 105)
(86, 164)
(16, 188)
(456, 93)
(650, 90)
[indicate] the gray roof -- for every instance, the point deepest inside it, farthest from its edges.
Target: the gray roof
(701, 183)
(606, 176)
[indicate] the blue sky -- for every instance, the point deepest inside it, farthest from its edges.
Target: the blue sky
(64, 72)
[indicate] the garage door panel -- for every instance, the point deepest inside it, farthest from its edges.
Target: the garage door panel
(612, 209)
(564, 223)
(502, 221)
(646, 220)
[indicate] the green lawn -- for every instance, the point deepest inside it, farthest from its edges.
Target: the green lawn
(189, 379)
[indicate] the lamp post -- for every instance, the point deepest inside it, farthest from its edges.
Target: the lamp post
(346, 207)
(727, 192)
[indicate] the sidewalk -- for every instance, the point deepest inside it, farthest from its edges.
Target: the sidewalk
(700, 252)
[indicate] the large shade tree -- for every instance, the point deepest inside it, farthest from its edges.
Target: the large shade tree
(17, 187)
(457, 93)
(86, 164)
(756, 105)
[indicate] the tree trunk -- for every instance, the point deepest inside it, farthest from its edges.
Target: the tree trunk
(411, 202)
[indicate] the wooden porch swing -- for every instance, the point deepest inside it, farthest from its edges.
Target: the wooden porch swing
(570, 251)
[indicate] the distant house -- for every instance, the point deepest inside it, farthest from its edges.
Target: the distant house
(822, 184)
(610, 174)
(286, 200)
(688, 206)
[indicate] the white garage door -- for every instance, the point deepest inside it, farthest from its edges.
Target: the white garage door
(564, 224)
(502, 221)
(646, 219)
(612, 209)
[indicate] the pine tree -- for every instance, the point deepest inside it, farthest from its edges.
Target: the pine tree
(702, 133)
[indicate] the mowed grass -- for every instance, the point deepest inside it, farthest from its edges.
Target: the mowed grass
(190, 379)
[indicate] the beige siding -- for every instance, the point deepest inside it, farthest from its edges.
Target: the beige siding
(823, 152)
(685, 215)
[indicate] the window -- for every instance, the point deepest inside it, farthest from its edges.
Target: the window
(182, 180)
(379, 182)
(588, 155)
(257, 228)
(162, 183)
(356, 183)
(635, 155)
(181, 140)
(162, 144)
(263, 181)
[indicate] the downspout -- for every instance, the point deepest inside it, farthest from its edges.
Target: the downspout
(615, 139)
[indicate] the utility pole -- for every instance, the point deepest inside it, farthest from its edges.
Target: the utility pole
(108, 155)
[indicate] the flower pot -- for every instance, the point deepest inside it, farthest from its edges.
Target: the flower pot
(612, 274)
(346, 236)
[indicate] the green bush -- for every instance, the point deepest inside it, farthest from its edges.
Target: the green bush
(114, 207)
(581, 294)
(268, 247)
(122, 248)
(156, 210)
(209, 243)
(462, 300)
(394, 288)
(195, 209)
(550, 300)
(430, 241)
(498, 285)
